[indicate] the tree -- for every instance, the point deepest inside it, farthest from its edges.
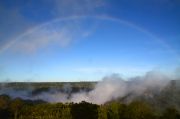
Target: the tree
(15, 106)
(102, 112)
(4, 101)
(4, 105)
(138, 110)
(84, 110)
(171, 113)
(113, 110)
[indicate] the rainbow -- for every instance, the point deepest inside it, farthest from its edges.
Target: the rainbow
(108, 18)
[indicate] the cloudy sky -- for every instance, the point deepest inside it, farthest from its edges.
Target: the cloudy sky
(77, 40)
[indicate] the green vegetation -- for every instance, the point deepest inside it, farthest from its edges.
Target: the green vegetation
(26, 109)
(149, 105)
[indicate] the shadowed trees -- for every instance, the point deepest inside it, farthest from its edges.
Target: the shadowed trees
(138, 110)
(15, 106)
(171, 113)
(26, 109)
(4, 105)
(84, 110)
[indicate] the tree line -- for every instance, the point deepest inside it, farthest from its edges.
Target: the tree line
(27, 109)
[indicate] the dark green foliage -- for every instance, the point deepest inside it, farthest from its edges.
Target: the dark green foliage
(26, 109)
(135, 110)
(102, 112)
(46, 111)
(138, 110)
(160, 105)
(4, 105)
(84, 110)
(4, 114)
(171, 113)
(113, 110)
(4, 101)
(15, 107)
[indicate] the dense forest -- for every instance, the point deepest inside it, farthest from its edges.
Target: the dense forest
(27, 109)
(148, 105)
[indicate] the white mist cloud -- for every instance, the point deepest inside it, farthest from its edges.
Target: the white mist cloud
(111, 87)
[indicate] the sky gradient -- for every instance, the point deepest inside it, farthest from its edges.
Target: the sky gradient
(85, 40)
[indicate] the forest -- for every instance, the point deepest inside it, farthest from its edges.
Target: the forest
(27, 109)
(148, 105)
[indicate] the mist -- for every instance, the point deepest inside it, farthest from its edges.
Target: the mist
(111, 87)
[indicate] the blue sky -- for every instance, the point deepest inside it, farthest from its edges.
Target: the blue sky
(82, 40)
